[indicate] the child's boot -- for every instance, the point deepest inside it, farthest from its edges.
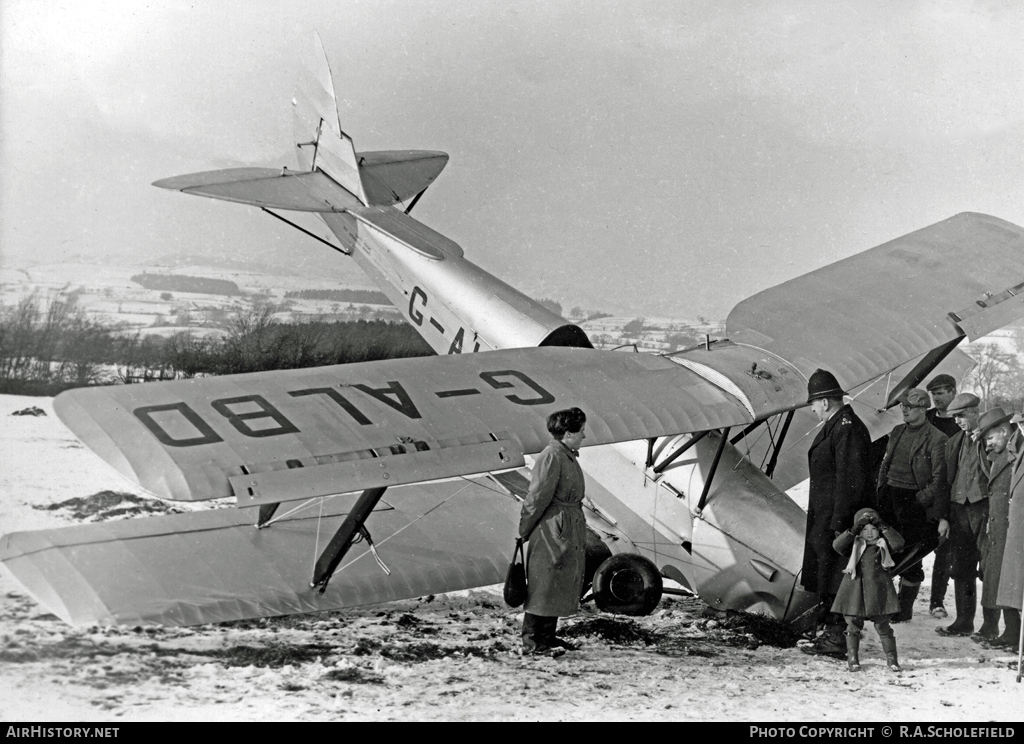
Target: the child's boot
(853, 651)
(889, 647)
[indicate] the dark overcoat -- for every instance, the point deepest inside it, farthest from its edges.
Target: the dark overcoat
(839, 465)
(1011, 574)
(999, 475)
(870, 593)
(553, 523)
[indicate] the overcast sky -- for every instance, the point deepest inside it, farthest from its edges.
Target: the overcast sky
(651, 158)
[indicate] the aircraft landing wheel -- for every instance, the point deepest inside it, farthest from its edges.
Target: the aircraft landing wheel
(627, 584)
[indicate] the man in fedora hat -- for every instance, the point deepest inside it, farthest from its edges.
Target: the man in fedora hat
(839, 467)
(968, 510)
(1002, 448)
(912, 494)
(942, 389)
(1011, 575)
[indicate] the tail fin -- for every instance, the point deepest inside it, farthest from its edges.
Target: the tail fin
(319, 139)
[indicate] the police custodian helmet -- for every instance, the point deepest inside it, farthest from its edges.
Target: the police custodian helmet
(823, 384)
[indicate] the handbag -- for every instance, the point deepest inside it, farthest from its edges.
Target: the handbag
(515, 579)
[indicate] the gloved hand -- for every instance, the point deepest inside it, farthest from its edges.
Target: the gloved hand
(861, 521)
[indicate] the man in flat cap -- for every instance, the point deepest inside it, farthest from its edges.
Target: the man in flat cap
(1000, 443)
(966, 465)
(839, 467)
(1011, 574)
(942, 389)
(911, 493)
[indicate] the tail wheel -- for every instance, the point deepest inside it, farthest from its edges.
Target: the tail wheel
(627, 584)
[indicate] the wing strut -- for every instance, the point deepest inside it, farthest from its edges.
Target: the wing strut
(711, 472)
(770, 470)
(351, 531)
(415, 199)
(328, 243)
(660, 467)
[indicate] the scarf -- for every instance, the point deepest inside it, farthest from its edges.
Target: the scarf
(859, 546)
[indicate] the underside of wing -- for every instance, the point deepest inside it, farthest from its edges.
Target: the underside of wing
(212, 566)
(914, 297)
(272, 188)
(869, 403)
(285, 435)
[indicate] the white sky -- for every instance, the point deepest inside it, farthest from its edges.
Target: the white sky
(648, 158)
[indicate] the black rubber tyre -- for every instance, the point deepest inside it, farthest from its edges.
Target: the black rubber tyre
(627, 584)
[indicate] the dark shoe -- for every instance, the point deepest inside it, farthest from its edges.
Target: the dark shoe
(966, 602)
(830, 643)
(563, 643)
(545, 651)
(958, 628)
(989, 627)
(891, 660)
(1011, 633)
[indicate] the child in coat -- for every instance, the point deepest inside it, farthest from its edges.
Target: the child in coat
(866, 590)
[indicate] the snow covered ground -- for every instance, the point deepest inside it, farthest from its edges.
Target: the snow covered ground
(449, 657)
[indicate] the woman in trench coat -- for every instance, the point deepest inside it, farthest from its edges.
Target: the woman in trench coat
(553, 524)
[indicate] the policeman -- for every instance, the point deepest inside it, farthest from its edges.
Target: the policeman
(839, 466)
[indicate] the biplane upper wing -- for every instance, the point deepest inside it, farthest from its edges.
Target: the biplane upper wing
(295, 434)
(915, 297)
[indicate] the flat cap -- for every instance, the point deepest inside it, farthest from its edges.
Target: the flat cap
(915, 398)
(961, 403)
(991, 419)
(941, 381)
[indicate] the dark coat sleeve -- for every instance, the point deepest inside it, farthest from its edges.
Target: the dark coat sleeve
(543, 484)
(953, 445)
(890, 448)
(852, 458)
(934, 496)
(843, 543)
(894, 538)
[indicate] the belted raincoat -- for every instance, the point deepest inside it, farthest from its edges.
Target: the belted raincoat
(553, 523)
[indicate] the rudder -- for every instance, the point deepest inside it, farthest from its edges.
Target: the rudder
(319, 139)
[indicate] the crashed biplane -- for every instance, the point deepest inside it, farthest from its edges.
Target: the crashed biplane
(371, 482)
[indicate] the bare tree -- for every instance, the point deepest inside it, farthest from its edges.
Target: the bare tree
(993, 370)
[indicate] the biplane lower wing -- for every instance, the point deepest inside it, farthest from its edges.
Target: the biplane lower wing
(212, 566)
